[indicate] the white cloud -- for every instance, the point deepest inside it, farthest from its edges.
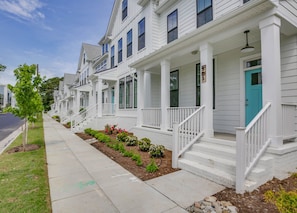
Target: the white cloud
(24, 9)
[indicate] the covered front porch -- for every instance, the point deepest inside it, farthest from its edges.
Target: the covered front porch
(200, 84)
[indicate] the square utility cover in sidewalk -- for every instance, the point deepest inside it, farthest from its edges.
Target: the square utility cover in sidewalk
(184, 188)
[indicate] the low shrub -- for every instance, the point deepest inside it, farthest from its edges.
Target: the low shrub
(156, 151)
(102, 137)
(152, 166)
(122, 148)
(137, 158)
(122, 136)
(128, 154)
(144, 144)
(56, 117)
(286, 202)
(131, 141)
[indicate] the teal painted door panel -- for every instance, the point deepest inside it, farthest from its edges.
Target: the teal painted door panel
(253, 94)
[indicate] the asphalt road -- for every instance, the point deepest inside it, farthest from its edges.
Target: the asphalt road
(8, 124)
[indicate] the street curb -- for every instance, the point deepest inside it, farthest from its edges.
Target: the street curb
(10, 138)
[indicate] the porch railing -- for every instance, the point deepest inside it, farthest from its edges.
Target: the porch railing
(108, 109)
(78, 119)
(179, 114)
(151, 117)
(186, 133)
(289, 112)
(251, 143)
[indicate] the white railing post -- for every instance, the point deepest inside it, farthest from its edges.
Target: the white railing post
(175, 146)
(240, 159)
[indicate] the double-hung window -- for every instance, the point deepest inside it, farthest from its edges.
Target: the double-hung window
(122, 93)
(172, 31)
(120, 50)
(129, 91)
(204, 12)
(112, 57)
(124, 9)
(141, 34)
(174, 84)
(129, 43)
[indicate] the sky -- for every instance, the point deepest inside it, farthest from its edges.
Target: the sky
(49, 33)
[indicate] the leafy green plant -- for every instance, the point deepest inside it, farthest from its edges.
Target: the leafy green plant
(152, 166)
(122, 136)
(131, 141)
(122, 148)
(144, 144)
(128, 153)
(156, 151)
(56, 117)
(285, 201)
(137, 158)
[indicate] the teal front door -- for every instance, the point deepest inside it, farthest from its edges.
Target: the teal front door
(253, 94)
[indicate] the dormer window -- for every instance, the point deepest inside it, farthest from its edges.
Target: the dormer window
(124, 9)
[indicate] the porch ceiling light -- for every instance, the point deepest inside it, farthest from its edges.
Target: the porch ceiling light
(247, 47)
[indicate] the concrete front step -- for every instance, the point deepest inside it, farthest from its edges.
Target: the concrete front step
(215, 175)
(214, 159)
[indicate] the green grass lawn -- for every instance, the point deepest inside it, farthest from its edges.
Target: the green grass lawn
(23, 176)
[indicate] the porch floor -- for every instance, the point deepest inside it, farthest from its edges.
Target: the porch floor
(225, 136)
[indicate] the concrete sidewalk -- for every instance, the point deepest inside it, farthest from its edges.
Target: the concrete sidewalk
(82, 179)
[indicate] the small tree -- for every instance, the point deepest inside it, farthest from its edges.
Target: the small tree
(28, 99)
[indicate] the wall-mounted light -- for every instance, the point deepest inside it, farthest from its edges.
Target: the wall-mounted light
(247, 47)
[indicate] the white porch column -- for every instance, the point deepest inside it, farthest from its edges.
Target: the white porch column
(140, 97)
(148, 89)
(206, 61)
(271, 74)
(77, 101)
(165, 93)
(99, 90)
(94, 90)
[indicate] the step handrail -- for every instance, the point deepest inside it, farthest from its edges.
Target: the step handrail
(82, 116)
(187, 133)
(251, 143)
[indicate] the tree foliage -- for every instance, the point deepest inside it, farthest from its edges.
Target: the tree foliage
(47, 89)
(26, 92)
(2, 67)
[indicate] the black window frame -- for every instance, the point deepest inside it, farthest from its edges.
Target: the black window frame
(174, 91)
(124, 9)
(204, 13)
(112, 64)
(141, 34)
(198, 84)
(120, 50)
(129, 43)
(172, 32)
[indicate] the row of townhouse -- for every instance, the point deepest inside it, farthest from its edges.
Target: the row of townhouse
(215, 81)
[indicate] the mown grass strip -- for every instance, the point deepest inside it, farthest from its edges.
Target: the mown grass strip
(23, 176)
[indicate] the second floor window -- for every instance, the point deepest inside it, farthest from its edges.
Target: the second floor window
(172, 31)
(124, 9)
(141, 34)
(129, 43)
(112, 57)
(120, 50)
(204, 12)
(104, 48)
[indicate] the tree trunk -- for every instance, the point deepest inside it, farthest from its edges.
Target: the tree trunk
(25, 135)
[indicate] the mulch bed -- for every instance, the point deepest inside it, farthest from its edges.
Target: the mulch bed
(28, 147)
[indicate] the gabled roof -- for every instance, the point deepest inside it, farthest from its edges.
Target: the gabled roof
(92, 52)
(69, 78)
(112, 18)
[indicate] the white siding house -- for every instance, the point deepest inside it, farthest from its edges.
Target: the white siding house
(214, 81)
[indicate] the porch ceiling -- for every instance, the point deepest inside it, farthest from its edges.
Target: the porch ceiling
(224, 34)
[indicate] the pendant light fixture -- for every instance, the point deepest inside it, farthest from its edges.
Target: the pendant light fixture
(247, 47)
